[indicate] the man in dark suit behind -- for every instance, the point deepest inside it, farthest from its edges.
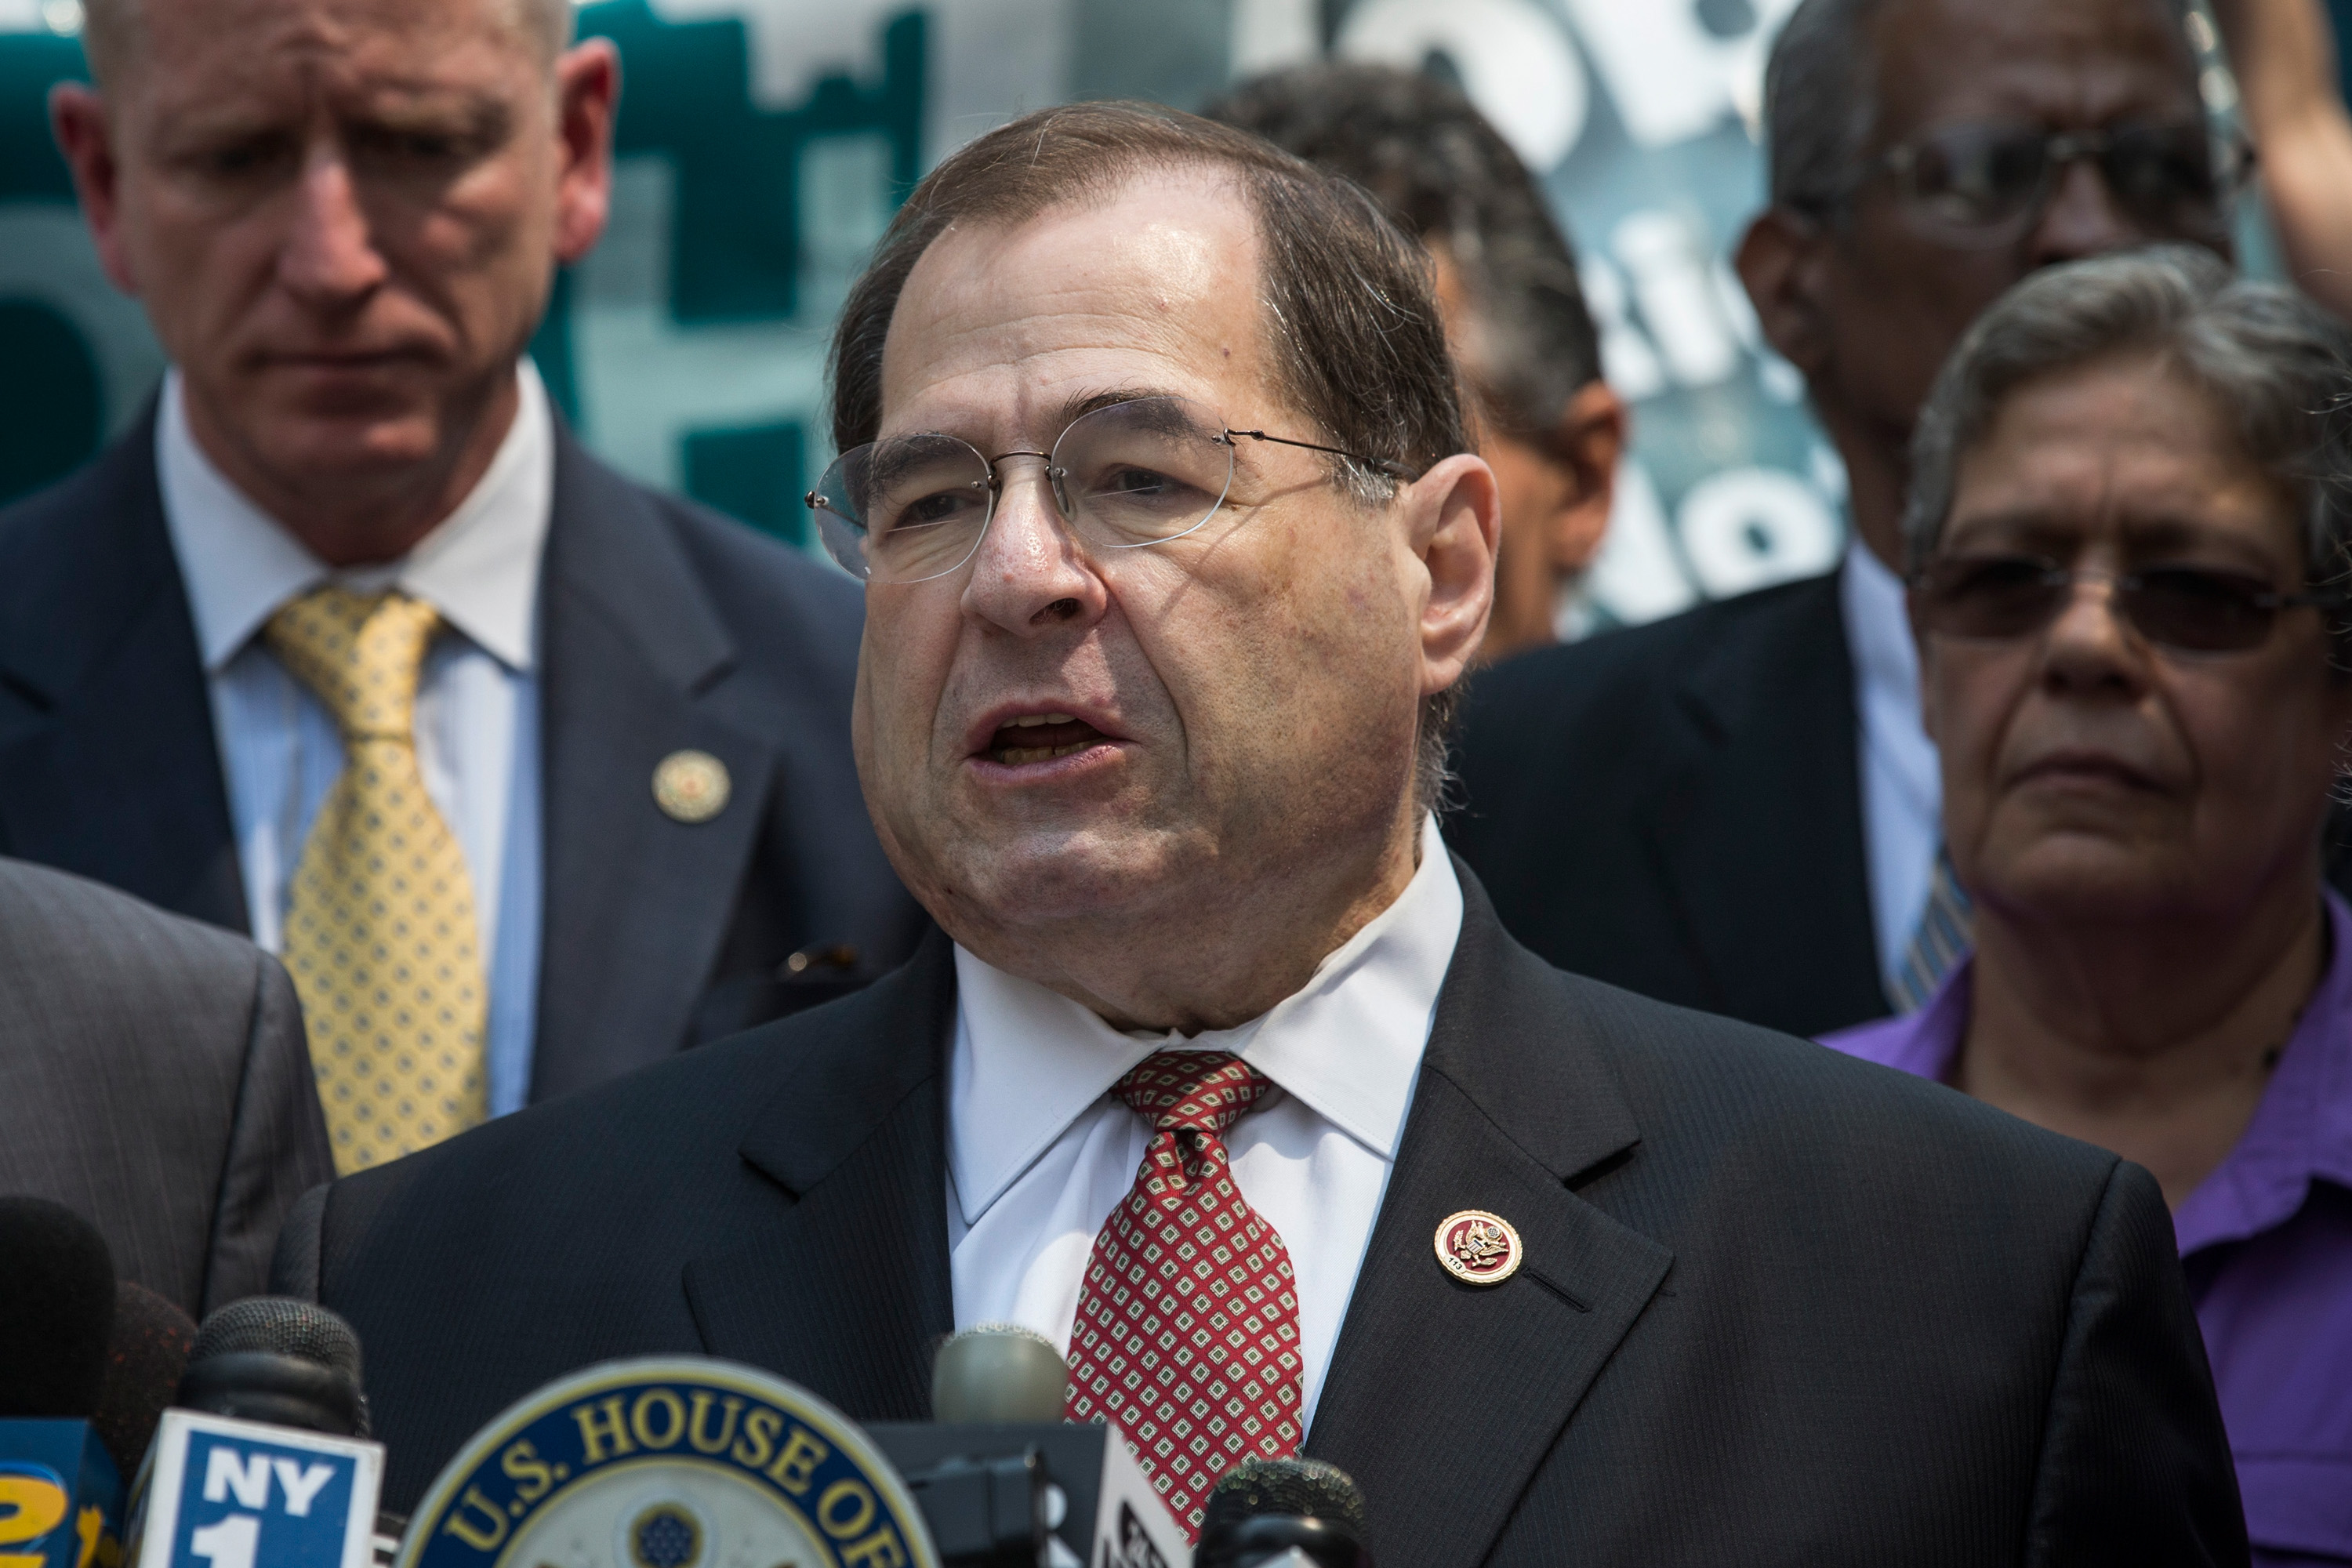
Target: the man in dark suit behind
(153, 1079)
(1162, 606)
(609, 728)
(1736, 809)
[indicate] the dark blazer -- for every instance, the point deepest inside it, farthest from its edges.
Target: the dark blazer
(154, 1079)
(1778, 1306)
(663, 626)
(1676, 809)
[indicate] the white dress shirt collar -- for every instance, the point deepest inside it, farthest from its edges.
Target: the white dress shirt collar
(1348, 1044)
(479, 567)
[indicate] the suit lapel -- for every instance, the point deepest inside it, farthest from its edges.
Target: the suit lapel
(1443, 1391)
(843, 1284)
(1761, 839)
(115, 773)
(637, 904)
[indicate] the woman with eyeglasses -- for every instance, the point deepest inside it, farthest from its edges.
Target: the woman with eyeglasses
(2131, 507)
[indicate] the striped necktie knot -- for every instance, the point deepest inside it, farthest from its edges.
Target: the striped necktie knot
(360, 654)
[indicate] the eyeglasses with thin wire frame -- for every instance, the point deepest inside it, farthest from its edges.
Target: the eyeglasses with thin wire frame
(1136, 472)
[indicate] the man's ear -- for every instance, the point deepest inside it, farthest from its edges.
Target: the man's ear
(77, 119)
(1457, 527)
(588, 95)
(1589, 440)
(1782, 259)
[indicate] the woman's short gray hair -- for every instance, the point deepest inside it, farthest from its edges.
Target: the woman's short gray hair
(2279, 366)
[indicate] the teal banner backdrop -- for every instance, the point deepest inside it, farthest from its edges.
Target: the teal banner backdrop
(765, 143)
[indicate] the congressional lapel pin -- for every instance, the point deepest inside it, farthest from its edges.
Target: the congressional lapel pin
(691, 786)
(1477, 1248)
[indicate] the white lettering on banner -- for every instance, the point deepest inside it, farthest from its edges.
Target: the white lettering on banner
(300, 1485)
(1268, 35)
(1515, 62)
(1750, 528)
(1669, 75)
(228, 1471)
(1626, 357)
(1637, 575)
(1674, 280)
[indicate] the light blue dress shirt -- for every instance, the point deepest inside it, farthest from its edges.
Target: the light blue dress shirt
(1901, 782)
(477, 732)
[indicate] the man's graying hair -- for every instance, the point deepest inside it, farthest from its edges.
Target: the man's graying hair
(2275, 364)
(1353, 335)
(110, 31)
(1422, 148)
(1821, 98)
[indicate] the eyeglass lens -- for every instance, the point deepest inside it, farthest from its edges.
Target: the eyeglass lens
(2190, 608)
(911, 508)
(1968, 180)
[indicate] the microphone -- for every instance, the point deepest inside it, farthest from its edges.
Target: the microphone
(1284, 1513)
(144, 1356)
(54, 1316)
(1003, 1480)
(278, 1360)
(263, 1461)
(60, 1494)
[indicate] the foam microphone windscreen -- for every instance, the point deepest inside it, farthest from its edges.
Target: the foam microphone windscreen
(276, 1359)
(145, 1357)
(54, 1313)
(1269, 1512)
(999, 1372)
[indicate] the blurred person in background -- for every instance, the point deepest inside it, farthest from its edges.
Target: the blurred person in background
(2130, 524)
(1736, 809)
(1514, 316)
(599, 802)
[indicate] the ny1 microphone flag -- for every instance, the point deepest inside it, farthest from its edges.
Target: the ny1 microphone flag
(224, 1493)
(60, 1499)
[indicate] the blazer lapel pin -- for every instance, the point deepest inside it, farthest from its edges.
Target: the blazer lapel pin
(1477, 1248)
(691, 786)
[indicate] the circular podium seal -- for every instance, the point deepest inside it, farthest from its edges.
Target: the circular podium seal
(669, 1462)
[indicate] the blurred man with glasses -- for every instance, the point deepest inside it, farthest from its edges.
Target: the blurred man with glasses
(1221, 1075)
(1736, 809)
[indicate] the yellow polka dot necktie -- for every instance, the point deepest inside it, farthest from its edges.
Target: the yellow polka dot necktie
(380, 933)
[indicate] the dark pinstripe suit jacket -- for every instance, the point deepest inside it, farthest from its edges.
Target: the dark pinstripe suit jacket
(1778, 1306)
(152, 1078)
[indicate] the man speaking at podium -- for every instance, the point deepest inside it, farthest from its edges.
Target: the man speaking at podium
(1223, 1073)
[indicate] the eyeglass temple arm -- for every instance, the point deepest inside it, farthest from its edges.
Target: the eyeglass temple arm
(1394, 470)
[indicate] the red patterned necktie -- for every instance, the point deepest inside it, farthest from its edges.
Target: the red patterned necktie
(1187, 1332)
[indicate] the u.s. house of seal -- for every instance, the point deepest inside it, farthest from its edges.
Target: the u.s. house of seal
(675, 1462)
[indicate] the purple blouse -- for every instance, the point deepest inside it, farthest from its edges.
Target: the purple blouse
(2267, 1241)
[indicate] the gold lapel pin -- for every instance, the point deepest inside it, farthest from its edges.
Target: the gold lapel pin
(691, 786)
(1477, 1248)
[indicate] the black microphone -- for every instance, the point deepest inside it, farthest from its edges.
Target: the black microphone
(63, 1497)
(145, 1357)
(280, 1361)
(56, 1312)
(1284, 1513)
